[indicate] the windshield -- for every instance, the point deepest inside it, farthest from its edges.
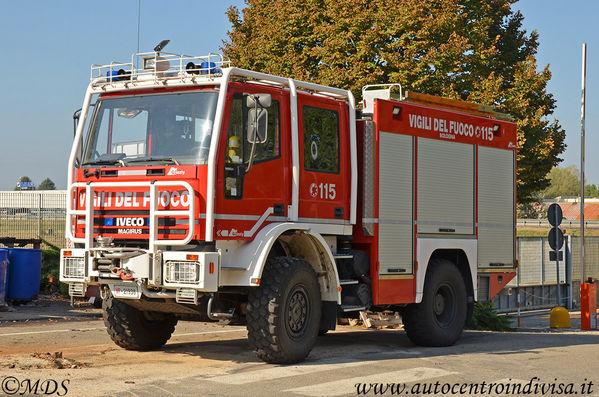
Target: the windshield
(166, 128)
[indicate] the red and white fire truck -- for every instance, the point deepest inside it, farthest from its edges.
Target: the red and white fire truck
(197, 188)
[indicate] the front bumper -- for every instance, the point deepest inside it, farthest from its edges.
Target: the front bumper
(176, 271)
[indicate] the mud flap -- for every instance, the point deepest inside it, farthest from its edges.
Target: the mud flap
(328, 319)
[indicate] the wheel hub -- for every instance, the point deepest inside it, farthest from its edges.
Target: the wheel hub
(297, 311)
(439, 304)
(444, 305)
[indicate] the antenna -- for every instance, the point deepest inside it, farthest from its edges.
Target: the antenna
(161, 45)
(138, 26)
(138, 22)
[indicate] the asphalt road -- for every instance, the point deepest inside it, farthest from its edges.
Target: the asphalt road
(213, 360)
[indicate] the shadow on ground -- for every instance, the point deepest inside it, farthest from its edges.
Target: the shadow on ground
(389, 344)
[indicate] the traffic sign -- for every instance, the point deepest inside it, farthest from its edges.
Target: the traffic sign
(553, 256)
(555, 215)
(552, 238)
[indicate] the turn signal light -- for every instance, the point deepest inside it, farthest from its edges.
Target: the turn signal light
(211, 267)
(192, 257)
(67, 253)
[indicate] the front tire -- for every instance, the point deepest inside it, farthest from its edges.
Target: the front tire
(283, 316)
(133, 329)
(440, 318)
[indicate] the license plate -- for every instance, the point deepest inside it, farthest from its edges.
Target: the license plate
(130, 291)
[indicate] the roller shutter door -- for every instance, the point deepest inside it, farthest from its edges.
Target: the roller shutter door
(495, 207)
(445, 187)
(395, 204)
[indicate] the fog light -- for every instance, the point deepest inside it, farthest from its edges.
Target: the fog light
(182, 272)
(74, 267)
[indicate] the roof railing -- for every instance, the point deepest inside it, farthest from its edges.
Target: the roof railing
(159, 66)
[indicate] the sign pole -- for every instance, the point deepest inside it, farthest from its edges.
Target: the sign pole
(557, 252)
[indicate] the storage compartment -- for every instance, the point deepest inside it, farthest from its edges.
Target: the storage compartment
(396, 199)
(495, 208)
(445, 181)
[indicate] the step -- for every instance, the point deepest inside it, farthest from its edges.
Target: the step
(348, 282)
(343, 256)
(352, 308)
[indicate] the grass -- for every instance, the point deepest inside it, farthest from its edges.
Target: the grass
(51, 230)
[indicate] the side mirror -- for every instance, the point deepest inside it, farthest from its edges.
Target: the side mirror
(76, 116)
(257, 125)
(257, 122)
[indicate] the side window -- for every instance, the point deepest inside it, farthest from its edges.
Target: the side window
(101, 143)
(321, 139)
(239, 149)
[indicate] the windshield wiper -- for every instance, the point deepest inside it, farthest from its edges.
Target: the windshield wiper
(152, 158)
(107, 159)
(104, 162)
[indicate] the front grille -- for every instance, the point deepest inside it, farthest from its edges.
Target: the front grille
(189, 296)
(77, 289)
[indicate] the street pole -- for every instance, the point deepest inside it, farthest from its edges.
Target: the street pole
(582, 126)
(588, 291)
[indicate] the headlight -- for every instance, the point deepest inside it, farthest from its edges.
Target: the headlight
(74, 267)
(182, 272)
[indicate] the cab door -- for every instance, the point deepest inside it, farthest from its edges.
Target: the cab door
(324, 192)
(250, 194)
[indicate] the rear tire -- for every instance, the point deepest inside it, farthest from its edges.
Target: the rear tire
(440, 318)
(133, 329)
(283, 316)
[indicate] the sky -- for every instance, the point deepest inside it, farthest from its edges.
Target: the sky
(49, 46)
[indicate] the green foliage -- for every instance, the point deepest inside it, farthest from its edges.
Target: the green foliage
(472, 50)
(485, 318)
(566, 182)
(563, 182)
(591, 190)
(50, 272)
(47, 184)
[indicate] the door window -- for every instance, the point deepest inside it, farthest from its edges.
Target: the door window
(239, 150)
(321, 139)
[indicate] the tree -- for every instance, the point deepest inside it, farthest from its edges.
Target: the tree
(566, 182)
(25, 183)
(591, 191)
(47, 184)
(470, 49)
(563, 182)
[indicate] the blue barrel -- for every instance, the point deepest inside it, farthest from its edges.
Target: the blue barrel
(3, 274)
(24, 273)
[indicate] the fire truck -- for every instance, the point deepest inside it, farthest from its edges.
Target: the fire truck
(196, 188)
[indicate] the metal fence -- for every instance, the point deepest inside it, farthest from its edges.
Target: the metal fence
(538, 275)
(34, 214)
